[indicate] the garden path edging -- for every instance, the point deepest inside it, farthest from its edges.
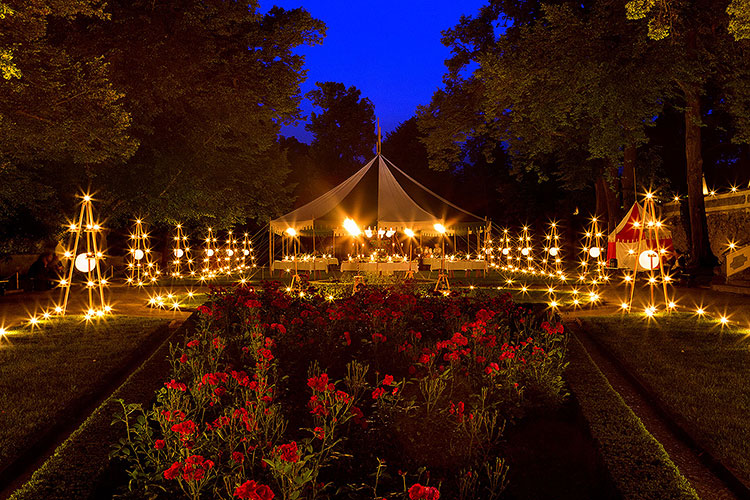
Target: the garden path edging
(35, 460)
(672, 421)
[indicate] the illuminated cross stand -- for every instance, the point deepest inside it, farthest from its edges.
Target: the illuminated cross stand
(181, 250)
(442, 276)
(86, 257)
(649, 258)
(141, 269)
(296, 282)
(593, 249)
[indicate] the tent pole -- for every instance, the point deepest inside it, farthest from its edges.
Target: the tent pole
(468, 243)
(270, 247)
(313, 230)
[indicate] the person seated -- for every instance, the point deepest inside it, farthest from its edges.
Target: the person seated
(38, 274)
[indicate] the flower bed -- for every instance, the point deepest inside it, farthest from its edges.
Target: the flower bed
(385, 394)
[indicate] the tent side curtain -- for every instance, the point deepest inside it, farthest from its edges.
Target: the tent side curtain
(303, 217)
(395, 206)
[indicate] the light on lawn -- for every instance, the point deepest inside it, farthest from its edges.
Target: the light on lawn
(650, 311)
(330, 297)
(700, 311)
(576, 302)
(58, 310)
(648, 259)
(553, 304)
(724, 320)
(85, 263)
(672, 305)
(624, 305)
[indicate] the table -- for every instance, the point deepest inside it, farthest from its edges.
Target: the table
(457, 265)
(386, 268)
(316, 265)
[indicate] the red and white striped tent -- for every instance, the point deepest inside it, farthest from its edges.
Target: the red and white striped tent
(623, 241)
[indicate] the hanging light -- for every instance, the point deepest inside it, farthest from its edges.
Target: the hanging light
(291, 232)
(352, 227)
(439, 228)
(178, 252)
(408, 232)
(595, 252)
(553, 251)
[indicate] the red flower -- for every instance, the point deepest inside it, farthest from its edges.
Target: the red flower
(173, 384)
(419, 492)
(183, 358)
(431, 493)
(193, 343)
(320, 433)
(253, 491)
(348, 338)
(186, 428)
(238, 457)
(159, 444)
(173, 471)
(195, 468)
(288, 452)
(319, 383)
(378, 392)
(388, 380)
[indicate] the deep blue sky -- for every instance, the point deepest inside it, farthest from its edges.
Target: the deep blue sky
(388, 49)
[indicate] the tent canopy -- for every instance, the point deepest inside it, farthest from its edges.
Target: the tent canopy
(379, 195)
(623, 241)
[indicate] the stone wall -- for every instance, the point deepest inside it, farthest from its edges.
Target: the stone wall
(728, 218)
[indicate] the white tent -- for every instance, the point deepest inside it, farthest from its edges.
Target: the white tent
(375, 197)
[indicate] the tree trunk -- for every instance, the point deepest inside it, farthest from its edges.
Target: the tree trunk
(628, 175)
(613, 199)
(700, 248)
(601, 198)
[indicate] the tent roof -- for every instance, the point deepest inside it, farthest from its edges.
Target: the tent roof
(375, 197)
(627, 232)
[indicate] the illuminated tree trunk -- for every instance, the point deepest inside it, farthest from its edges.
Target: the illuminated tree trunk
(700, 248)
(628, 176)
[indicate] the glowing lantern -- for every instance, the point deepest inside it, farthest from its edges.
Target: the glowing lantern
(554, 251)
(439, 228)
(648, 259)
(595, 252)
(409, 233)
(138, 254)
(525, 251)
(230, 252)
(85, 263)
(178, 252)
(246, 252)
(506, 251)
(210, 252)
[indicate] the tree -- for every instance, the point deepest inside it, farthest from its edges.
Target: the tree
(60, 116)
(698, 33)
(570, 93)
(209, 83)
(344, 132)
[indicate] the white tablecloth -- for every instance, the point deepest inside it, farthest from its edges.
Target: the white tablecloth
(305, 265)
(379, 267)
(457, 265)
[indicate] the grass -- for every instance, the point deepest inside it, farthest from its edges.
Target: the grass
(697, 369)
(80, 467)
(47, 372)
(637, 463)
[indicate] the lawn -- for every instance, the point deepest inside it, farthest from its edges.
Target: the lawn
(48, 372)
(699, 370)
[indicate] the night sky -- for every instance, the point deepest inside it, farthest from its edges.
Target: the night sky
(390, 50)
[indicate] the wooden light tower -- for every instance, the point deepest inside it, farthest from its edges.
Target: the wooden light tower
(650, 256)
(181, 253)
(141, 269)
(86, 254)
